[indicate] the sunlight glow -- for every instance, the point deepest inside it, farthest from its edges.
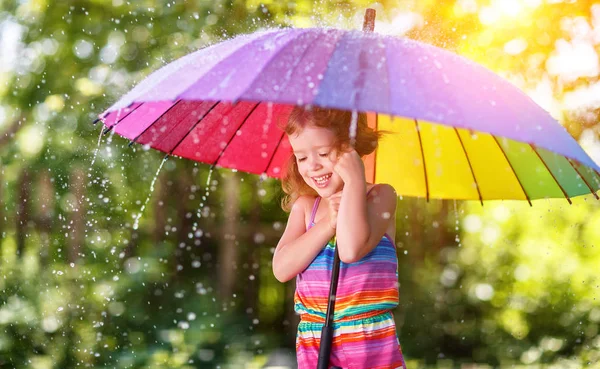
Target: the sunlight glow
(509, 7)
(507, 10)
(573, 60)
(31, 140)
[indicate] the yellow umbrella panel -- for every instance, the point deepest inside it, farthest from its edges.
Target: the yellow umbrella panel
(432, 160)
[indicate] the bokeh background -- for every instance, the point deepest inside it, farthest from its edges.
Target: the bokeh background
(100, 266)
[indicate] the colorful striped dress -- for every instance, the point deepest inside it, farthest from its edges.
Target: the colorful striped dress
(364, 328)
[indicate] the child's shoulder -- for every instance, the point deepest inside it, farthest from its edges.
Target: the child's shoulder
(381, 190)
(304, 202)
(304, 205)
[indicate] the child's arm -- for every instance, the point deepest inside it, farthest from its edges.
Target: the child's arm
(361, 222)
(298, 247)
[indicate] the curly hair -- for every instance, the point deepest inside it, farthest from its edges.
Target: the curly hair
(338, 122)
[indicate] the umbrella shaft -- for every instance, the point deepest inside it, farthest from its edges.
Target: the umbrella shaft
(335, 274)
(327, 331)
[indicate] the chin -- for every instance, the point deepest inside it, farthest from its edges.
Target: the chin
(326, 192)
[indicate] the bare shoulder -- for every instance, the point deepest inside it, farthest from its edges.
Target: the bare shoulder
(303, 202)
(382, 193)
(303, 205)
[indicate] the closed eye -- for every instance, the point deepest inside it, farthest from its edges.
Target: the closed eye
(324, 155)
(300, 159)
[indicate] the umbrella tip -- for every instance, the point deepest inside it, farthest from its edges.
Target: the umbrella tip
(96, 121)
(107, 130)
(369, 22)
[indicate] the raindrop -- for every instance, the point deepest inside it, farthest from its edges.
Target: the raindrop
(97, 148)
(456, 227)
(139, 215)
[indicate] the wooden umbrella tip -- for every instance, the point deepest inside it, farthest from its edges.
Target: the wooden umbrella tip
(369, 23)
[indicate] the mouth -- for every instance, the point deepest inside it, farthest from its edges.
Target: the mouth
(322, 181)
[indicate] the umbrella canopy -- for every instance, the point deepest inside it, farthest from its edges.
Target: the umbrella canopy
(456, 130)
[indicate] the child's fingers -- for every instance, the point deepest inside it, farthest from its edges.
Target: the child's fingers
(337, 195)
(335, 204)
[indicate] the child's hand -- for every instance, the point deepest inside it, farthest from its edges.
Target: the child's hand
(333, 202)
(350, 167)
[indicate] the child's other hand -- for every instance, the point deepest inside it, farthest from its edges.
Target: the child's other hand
(350, 167)
(333, 203)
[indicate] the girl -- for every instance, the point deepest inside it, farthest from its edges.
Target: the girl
(327, 195)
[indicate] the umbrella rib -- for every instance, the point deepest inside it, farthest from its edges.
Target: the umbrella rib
(292, 70)
(194, 126)
(156, 120)
(108, 129)
(583, 178)
(271, 60)
(423, 158)
(533, 147)
(470, 165)
(274, 151)
(513, 170)
(230, 56)
(233, 135)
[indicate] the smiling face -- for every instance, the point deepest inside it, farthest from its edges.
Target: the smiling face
(315, 150)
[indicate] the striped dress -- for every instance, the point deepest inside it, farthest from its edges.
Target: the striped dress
(364, 328)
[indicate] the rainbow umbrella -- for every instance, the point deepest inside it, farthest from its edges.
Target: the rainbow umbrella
(457, 130)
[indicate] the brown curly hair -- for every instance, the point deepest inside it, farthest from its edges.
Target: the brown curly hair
(338, 121)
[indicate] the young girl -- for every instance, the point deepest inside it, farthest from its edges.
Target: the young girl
(327, 195)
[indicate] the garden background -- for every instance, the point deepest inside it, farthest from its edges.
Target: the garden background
(99, 263)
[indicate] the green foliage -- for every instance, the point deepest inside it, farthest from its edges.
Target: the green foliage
(521, 287)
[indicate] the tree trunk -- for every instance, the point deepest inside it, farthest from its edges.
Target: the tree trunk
(77, 216)
(8, 134)
(2, 216)
(254, 241)
(23, 211)
(228, 252)
(184, 227)
(159, 208)
(45, 211)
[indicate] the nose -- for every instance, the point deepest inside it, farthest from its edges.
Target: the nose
(314, 162)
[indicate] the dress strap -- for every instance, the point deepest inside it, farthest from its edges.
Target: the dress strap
(314, 210)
